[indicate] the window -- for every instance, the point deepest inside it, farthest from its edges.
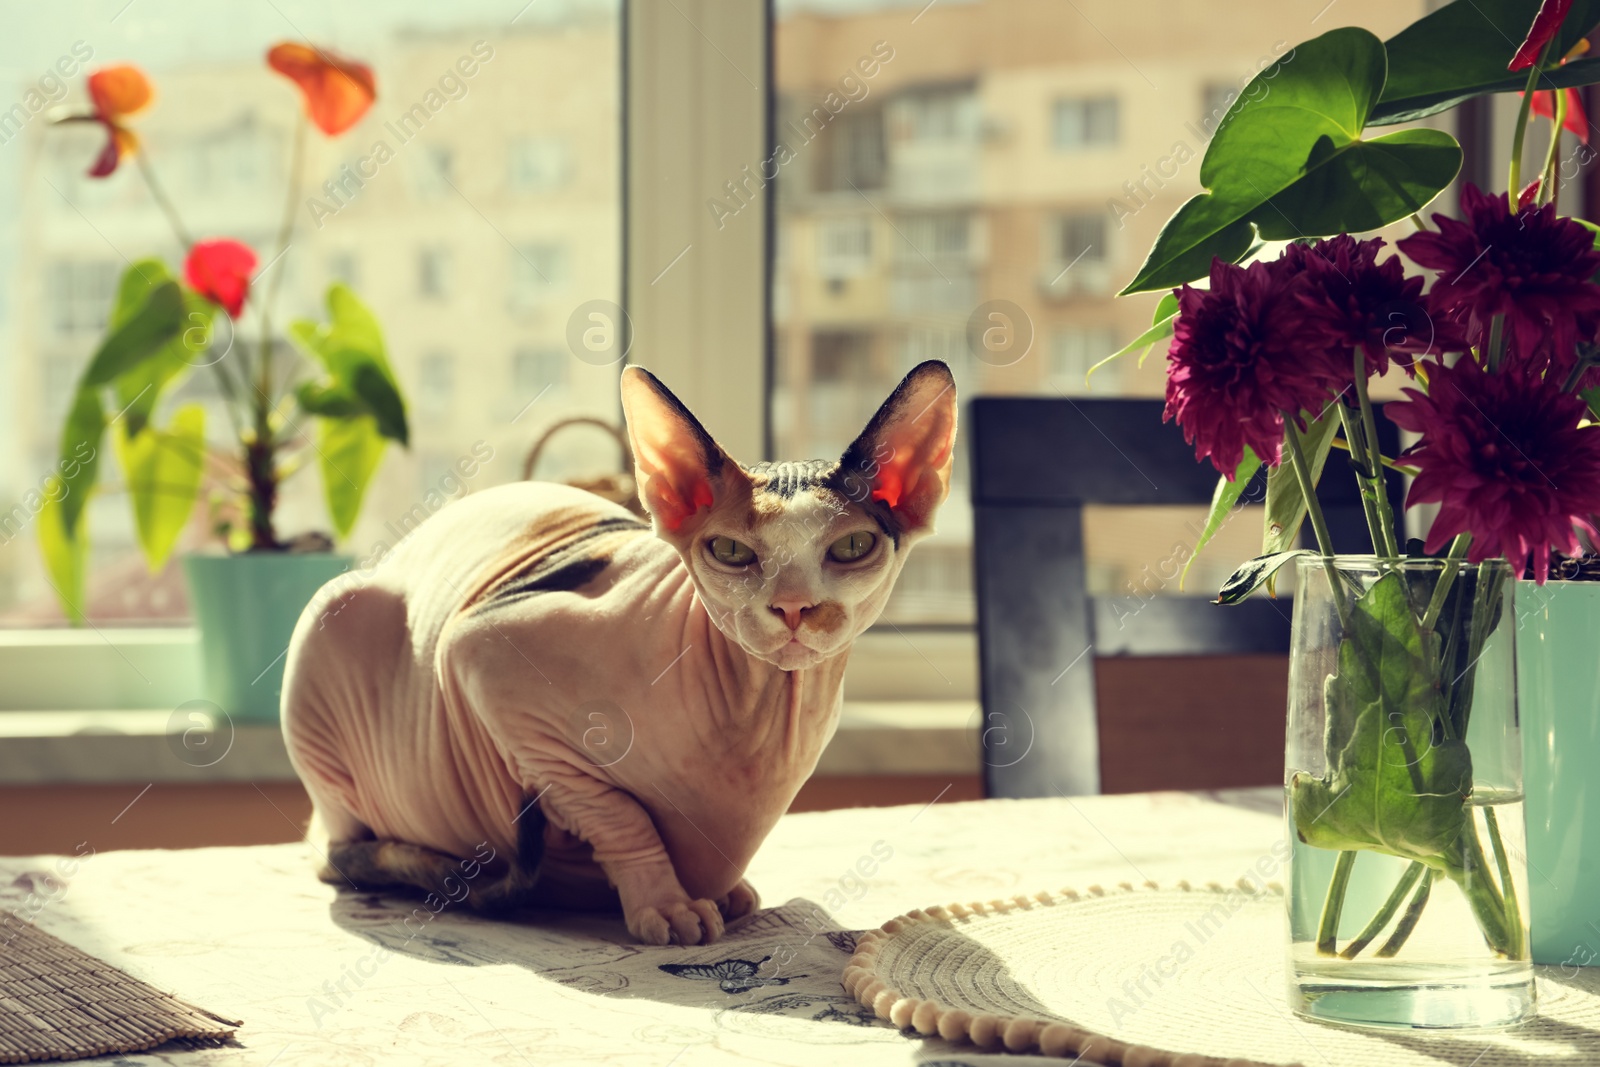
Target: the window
(430, 262)
(844, 247)
(939, 237)
(434, 175)
(539, 164)
(936, 115)
(436, 384)
(855, 157)
(1085, 122)
(1005, 156)
(1215, 99)
(538, 271)
(344, 267)
(433, 272)
(80, 295)
(1073, 350)
(1076, 255)
(536, 371)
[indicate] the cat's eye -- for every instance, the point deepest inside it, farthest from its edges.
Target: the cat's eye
(733, 553)
(852, 547)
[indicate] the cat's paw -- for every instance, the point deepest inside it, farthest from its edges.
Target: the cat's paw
(741, 900)
(682, 922)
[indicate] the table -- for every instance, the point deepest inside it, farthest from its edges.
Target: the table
(336, 979)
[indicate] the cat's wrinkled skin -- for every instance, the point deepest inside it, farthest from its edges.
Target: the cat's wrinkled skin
(537, 673)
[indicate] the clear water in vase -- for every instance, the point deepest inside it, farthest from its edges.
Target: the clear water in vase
(1444, 974)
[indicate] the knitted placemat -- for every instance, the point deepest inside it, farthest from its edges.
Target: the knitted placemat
(58, 1002)
(1128, 976)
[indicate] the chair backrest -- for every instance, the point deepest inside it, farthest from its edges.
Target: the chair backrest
(1037, 462)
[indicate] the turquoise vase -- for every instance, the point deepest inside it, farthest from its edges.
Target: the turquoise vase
(246, 607)
(1558, 682)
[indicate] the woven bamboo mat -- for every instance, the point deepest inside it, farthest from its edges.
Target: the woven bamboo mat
(58, 1002)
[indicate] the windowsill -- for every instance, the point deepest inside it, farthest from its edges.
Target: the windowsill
(81, 747)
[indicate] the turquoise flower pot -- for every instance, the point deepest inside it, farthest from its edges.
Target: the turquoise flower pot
(1558, 684)
(246, 607)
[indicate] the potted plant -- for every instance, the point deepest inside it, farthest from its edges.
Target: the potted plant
(1408, 894)
(163, 327)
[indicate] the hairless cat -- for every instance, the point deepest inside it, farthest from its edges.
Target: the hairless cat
(602, 711)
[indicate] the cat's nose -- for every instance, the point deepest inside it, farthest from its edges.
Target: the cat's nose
(790, 608)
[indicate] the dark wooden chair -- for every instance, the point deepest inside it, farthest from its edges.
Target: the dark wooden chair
(1085, 695)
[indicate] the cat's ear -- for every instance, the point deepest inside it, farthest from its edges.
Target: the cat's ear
(679, 467)
(903, 457)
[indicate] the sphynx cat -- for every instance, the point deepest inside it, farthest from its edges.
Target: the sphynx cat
(619, 711)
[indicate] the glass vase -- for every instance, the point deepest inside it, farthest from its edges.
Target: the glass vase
(1407, 885)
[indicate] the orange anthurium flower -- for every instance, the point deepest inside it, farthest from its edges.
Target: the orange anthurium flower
(338, 91)
(220, 271)
(117, 93)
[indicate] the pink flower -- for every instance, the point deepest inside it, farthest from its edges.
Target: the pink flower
(1351, 300)
(1546, 24)
(220, 271)
(1532, 267)
(1236, 366)
(1506, 461)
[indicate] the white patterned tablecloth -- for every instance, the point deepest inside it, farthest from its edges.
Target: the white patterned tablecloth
(337, 979)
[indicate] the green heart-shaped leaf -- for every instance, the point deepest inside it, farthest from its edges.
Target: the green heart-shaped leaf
(1289, 161)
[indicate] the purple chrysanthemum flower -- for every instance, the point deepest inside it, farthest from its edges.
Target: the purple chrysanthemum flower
(1235, 365)
(1505, 459)
(1533, 267)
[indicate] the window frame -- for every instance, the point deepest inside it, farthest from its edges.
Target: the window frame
(698, 293)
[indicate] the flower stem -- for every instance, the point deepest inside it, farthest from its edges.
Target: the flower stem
(1441, 591)
(1359, 455)
(1515, 183)
(1308, 489)
(1483, 897)
(1408, 921)
(1508, 890)
(1369, 422)
(160, 197)
(1319, 524)
(1547, 173)
(1385, 913)
(1333, 906)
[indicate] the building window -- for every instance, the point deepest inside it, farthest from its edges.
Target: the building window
(344, 267)
(537, 271)
(80, 295)
(534, 371)
(435, 172)
(1073, 351)
(936, 115)
(855, 152)
(433, 272)
(1215, 99)
(436, 384)
(844, 247)
(1077, 258)
(539, 164)
(1085, 122)
(940, 236)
